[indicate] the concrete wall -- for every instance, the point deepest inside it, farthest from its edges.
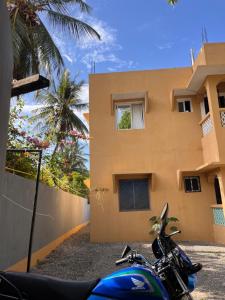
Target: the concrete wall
(219, 234)
(210, 54)
(58, 213)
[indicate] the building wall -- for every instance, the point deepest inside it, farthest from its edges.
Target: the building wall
(171, 141)
(210, 54)
(58, 213)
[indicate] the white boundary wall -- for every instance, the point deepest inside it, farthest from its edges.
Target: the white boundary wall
(57, 213)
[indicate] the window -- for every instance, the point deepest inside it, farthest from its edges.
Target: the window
(192, 184)
(133, 194)
(184, 105)
(130, 116)
(217, 191)
(204, 106)
(221, 99)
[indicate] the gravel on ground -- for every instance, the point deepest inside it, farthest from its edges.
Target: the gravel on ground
(79, 259)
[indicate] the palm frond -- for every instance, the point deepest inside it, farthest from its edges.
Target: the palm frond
(61, 5)
(172, 2)
(79, 106)
(71, 25)
(77, 123)
(49, 54)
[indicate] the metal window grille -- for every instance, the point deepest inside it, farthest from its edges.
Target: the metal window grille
(218, 214)
(222, 118)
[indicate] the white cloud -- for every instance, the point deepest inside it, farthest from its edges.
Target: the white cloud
(165, 46)
(84, 94)
(104, 50)
(108, 36)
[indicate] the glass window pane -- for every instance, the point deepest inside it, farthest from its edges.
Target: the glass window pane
(124, 117)
(206, 104)
(195, 184)
(141, 192)
(188, 106)
(221, 101)
(187, 184)
(181, 106)
(126, 195)
(192, 184)
(137, 116)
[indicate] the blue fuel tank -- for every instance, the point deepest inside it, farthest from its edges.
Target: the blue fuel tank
(135, 282)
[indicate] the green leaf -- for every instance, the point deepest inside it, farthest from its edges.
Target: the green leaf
(173, 219)
(173, 228)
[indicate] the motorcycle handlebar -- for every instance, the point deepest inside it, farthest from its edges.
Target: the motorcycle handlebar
(122, 261)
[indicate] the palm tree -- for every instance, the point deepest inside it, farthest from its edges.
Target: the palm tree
(71, 159)
(33, 46)
(172, 2)
(58, 117)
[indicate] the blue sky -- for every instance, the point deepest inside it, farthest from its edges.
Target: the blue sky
(145, 34)
(140, 34)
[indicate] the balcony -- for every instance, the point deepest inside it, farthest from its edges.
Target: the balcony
(206, 124)
(222, 116)
(218, 215)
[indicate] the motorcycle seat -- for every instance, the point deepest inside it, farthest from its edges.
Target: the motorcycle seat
(40, 287)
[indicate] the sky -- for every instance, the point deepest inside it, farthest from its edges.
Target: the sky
(141, 34)
(138, 35)
(144, 34)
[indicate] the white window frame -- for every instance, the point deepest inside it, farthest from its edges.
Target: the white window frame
(191, 178)
(182, 100)
(129, 103)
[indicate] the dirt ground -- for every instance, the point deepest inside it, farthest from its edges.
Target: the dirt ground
(79, 259)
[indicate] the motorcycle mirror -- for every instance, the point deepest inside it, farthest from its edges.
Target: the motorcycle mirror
(126, 250)
(164, 212)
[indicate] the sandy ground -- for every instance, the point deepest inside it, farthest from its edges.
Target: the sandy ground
(79, 259)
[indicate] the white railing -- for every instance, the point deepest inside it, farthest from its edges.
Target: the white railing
(206, 124)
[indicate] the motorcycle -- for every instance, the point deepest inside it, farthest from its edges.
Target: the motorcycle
(171, 276)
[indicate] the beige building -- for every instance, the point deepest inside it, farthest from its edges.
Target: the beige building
(157, 136)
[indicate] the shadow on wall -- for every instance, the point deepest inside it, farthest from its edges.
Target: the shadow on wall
(57, 213)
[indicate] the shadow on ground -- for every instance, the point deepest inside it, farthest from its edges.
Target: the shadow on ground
(79, 259)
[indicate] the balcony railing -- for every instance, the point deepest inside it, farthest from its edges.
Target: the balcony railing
(206, 124)
(222, 116)
(218, 215)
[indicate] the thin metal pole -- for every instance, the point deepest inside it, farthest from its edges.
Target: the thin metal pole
(34, 212)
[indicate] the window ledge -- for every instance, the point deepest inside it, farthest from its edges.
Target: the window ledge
(129, 130)
(125, 175)
(135, 210)
(216, 206)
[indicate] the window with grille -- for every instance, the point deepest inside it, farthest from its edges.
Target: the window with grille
(130, 115)
(184, 105)
(192, 184)
(133, 194)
